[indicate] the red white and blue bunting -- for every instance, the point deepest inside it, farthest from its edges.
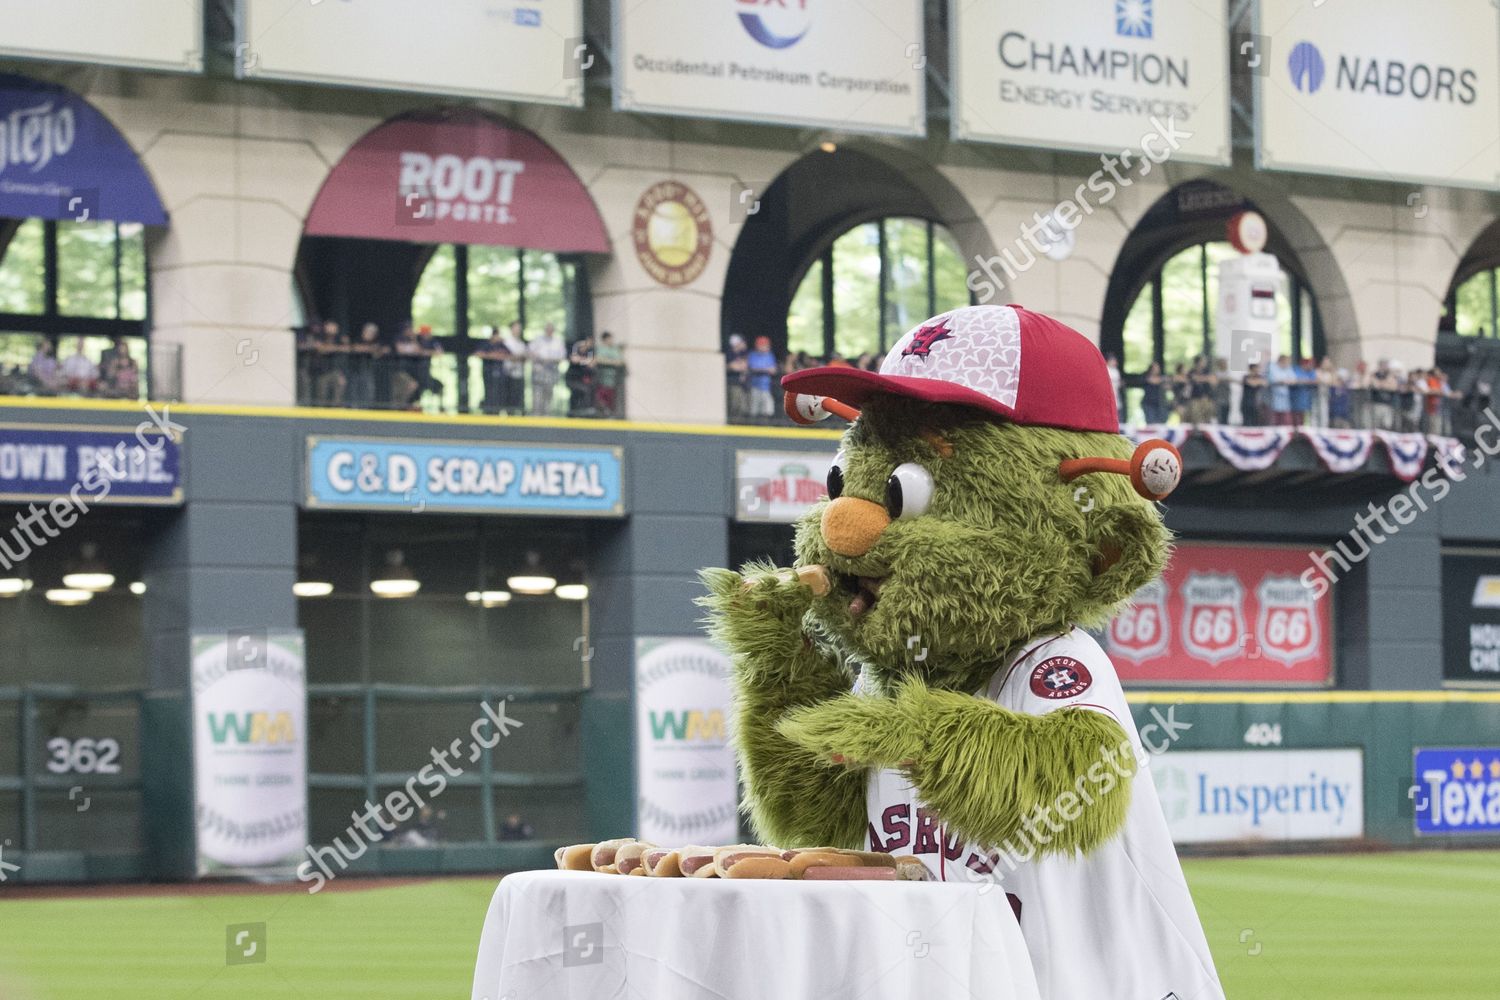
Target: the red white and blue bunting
(1251, 449)
(1341, 450)
(1248, 449)
(1407, 451)
(1173, 434)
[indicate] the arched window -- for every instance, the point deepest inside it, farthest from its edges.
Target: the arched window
(1475, 306)
(1174, 317)
(872, 284)
(73, 286)
(465, 291)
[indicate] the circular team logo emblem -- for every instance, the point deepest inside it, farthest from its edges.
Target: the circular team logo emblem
(1060, 677)
(776, 24)
(672, 233)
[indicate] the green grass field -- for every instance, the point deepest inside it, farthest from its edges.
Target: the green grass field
(1413, 925)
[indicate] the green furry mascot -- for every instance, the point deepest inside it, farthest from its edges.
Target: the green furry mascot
(920, 682)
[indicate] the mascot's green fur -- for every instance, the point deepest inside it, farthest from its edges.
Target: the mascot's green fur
(1005, 552)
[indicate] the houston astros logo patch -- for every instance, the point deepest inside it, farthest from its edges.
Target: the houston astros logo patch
(1060, 677)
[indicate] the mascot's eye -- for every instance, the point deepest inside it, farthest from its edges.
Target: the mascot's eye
(836, 477)
(908, 491)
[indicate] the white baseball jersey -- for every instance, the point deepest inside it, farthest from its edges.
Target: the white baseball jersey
(1118, 924)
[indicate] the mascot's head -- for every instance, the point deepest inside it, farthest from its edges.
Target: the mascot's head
(983, 496)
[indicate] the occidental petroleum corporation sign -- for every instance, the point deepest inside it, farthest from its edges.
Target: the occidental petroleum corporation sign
(776, 24)
(672, 233)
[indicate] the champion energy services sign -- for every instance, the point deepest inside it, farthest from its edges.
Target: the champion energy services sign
(469, 476)
(856, 65)
(1092, 75)
(1382, 88)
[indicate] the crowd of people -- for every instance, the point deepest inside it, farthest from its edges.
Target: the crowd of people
(1306, 393)
(1287, 393)
(115, 374)
(369, 371)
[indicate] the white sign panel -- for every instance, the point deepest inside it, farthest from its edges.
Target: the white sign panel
(686, 787)
(1383, 89)
(1213, 796)
(1093, 75)
(151, 34)
(249, 750)
(778, 486)
(527, 52)
(847, 64)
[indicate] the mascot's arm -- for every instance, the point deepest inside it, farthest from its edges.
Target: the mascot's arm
(983, 768)
(793, 800)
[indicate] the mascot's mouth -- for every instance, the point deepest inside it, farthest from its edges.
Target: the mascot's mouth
(864, 592)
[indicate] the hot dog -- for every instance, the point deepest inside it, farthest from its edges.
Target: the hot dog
(833, 873)
(628, 859)
(662, 862)
(820, 859)
(603, 858)
(698, 862)
(575, 858)
(727, 857)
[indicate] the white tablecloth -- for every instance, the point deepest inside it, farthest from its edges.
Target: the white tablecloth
(553, 935)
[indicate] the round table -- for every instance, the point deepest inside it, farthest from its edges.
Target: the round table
(553, 935)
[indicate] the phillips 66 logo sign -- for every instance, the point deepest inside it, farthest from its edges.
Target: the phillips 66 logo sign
(1142, 630)
(1213, 616)
(1286, 629)
(1226, 614)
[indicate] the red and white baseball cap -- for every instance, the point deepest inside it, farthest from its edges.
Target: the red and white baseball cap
(1023, 366)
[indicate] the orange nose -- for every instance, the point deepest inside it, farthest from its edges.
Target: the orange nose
(851, 525)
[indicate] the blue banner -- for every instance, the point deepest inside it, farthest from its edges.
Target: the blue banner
(102, 464)
(61, 159)
(472, 476)
(1456, 790)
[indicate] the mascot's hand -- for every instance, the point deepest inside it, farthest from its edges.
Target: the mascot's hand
(759, 612)
(858, 730)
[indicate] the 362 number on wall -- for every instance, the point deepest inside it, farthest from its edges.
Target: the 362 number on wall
(83, 756)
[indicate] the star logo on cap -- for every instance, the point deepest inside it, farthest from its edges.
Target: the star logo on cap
(925, 337)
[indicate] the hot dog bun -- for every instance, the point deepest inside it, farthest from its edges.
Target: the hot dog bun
(726, 857)
(871, 859)
(819, 859)
(629, 858)
(912, 869)
(603, 858)
(575, 858)
(760, 866)
(663, 863)
(832, 873)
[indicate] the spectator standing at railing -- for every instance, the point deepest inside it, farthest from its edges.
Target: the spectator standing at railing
(1281, 375)
(1253, 397)
(405, 389)
(492, 357)
(79, 372)
(1225, 389)
(762, 373)
(110, 355)
(46, 377)
(1304, 391)
(579, 378)
(362, 362)
(547, 353)
(1202, 383)
(123, 377)
(1154, 395)
(331, 365)
(1327, 376)
(609, 374)
(1341, 400)
(1382, 392)
(514, 398)
(1182, 392)
(737, 378)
